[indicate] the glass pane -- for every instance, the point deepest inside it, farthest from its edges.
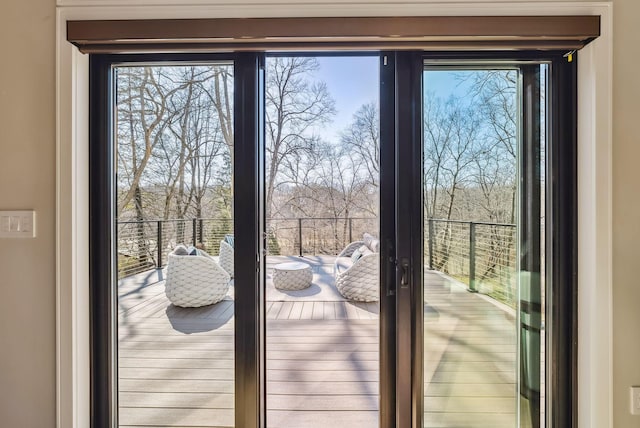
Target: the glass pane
(174, 138)
(532, 265)
(482, 348)
(322, 181)
(544, 76)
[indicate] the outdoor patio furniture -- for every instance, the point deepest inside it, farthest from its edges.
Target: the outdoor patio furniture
(292, 276)
(357, 270)
(226, 254)
(195, 280)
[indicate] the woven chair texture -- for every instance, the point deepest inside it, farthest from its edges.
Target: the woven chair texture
(292, 276)
(194, 281)
(361, 281)
(226, 257)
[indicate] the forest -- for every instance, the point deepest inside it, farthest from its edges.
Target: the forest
(175, 148)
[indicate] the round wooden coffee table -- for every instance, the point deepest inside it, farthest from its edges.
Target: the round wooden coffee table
(292, 276)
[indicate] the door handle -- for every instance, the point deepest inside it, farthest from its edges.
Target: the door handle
(404, 279)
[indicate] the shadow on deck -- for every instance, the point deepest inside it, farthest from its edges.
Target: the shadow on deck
(176, 365)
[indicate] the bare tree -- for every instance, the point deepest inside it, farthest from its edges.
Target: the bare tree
(141, 120)
(362, 137)
(295, 107)
(496, 98)
(142, 110)
(451, 136)
(220, 92)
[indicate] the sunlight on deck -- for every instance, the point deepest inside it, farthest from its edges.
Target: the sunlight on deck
(176, 364)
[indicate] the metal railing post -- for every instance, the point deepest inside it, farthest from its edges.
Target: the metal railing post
(300, 235)
(501, 247)
(472, 257)
(335, 234)
(159, 244)
(430, 243)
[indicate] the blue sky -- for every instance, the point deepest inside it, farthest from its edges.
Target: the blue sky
(444, 83)
(354, 81)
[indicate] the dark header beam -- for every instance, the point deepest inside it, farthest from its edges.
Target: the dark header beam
(432, 32)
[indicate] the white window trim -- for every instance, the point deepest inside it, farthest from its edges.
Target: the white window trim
(594, 177)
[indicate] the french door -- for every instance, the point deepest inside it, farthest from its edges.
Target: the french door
(485, 240)
(474, 213)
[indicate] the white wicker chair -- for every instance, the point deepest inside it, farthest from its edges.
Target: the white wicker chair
(359, 281)
(226, 257)
(194, 281)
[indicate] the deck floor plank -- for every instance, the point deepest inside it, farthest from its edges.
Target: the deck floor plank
(307, 311)
(176, 365)
(318, 311)
(296, 310)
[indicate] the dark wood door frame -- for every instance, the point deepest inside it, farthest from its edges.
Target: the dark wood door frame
(402, 292)
(248, 219)
(561, 214)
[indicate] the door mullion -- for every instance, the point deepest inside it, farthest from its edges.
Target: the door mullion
(561, 243)
(409, 383)
(388, 241)
(249, 301)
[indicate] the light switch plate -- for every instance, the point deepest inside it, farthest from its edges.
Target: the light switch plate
(18, 224)
(635, 400)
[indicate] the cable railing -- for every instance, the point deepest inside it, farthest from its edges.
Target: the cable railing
(479, 254)
(315, 235)
(144, 244)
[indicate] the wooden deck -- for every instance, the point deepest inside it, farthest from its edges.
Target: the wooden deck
(470, 358)
(176, 365)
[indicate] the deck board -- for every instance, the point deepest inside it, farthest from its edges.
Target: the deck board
(176, 365)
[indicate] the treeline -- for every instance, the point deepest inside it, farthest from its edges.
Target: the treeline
(470, 149)
(175, 146)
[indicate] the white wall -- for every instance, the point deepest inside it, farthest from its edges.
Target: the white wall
(27, 181)
(626, 209)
